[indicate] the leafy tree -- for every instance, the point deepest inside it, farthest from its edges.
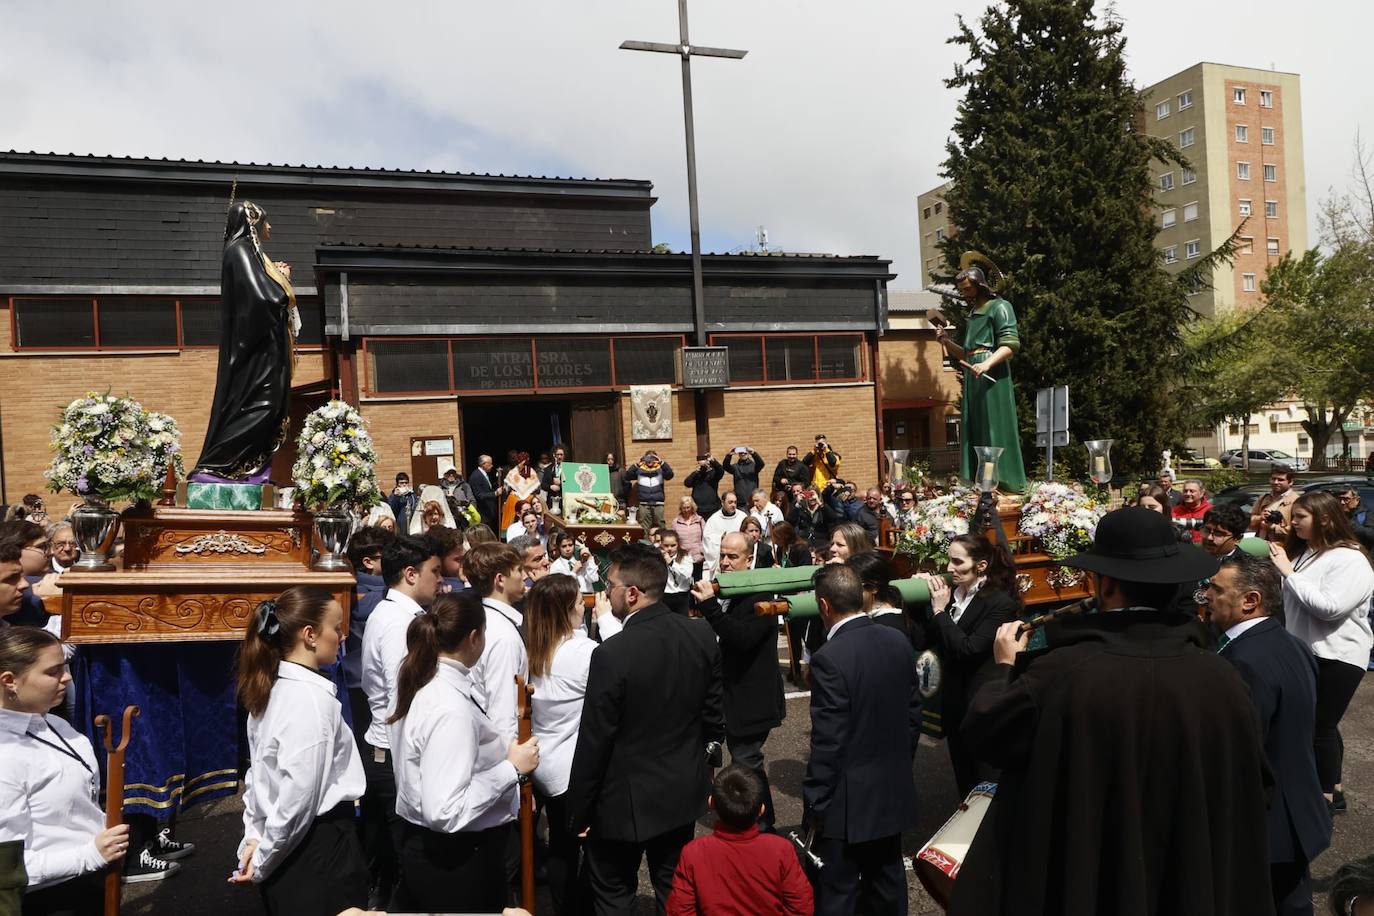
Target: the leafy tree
(1052, 179)
(1231, 374)
(1320, 320)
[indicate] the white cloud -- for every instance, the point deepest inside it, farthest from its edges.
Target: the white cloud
(825, 133)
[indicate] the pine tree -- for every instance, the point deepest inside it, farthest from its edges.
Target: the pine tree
(1052, 179)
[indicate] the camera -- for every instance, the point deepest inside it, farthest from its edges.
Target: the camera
(1188, 524)
(1274, 517)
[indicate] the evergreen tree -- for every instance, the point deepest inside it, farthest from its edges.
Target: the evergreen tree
(1052, 179)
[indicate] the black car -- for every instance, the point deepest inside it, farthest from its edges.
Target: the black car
(1246, 495)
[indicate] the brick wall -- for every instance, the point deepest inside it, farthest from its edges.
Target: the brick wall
(37, 386)
(911, 366)
(393, 423)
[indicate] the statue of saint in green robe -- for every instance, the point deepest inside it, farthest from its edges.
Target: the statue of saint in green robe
(989, 401)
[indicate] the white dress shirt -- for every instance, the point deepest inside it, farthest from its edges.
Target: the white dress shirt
(830, 634)
(384, 648)
(556, 710)
(450, 761)
(494, 674)
(679, 575)
(960, 600)
(586, 578)
(1326, 604)
(48, 797)
(717, 526)
(303, 763)
(1244, 625)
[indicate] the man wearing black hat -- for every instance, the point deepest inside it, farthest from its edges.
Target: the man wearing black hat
(1123, 791)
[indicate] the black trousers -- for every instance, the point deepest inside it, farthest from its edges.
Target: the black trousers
(381, 825)
(83, 895)
(1336, 686)
(613, 869)
(866, 878)
(567, 880)
(325, 874)
(747, 751)
(678, 602)
(1292, 883)
(454, 872)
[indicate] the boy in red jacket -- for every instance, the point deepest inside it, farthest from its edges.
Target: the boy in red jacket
(738, 871)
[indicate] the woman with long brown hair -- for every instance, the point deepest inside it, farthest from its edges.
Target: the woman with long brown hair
(560, 659)
(1327, 584)
(961, 626)
(848, 539)
(300, 841)
(456, 776)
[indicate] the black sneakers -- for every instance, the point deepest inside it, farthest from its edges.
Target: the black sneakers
(149, 867)
(164, 847)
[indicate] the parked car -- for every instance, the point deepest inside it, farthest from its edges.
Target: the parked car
(1193, 460)
(1262, 459)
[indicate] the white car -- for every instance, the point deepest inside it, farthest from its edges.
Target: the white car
(1262, 459)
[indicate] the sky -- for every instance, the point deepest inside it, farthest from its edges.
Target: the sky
(825, 133)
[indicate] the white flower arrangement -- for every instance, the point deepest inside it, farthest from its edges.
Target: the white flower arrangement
(336, 460)
(110, 448)
(937, 522)
(1062, 517)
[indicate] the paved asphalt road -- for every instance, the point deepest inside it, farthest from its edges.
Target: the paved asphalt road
(200, 888)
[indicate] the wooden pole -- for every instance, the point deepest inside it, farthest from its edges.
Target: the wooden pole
(524, 728)
(114, 794)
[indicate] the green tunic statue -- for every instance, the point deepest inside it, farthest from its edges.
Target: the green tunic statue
(989, 400)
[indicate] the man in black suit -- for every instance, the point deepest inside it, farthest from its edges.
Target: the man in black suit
(485, 493)
(651, 717)
(754, 705)
(865, 720)
(1282, 677)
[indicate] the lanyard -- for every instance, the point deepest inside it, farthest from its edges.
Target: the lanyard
(66, 748)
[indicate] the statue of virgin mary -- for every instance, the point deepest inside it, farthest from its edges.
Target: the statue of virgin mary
(258, 324)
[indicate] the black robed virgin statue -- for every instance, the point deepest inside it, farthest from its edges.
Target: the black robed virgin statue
(258, 324)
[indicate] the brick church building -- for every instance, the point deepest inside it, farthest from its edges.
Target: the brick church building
(462, 313)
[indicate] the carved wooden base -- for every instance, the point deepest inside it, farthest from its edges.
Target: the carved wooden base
(168, 607)
(601, 538)
(193, 574)
(168, 539)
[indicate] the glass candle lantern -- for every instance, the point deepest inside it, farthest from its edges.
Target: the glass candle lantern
(1100, 460)
(985, 472)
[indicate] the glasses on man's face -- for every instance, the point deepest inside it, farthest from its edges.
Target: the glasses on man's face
(72, 545)
(1216, 534)
(908, 499)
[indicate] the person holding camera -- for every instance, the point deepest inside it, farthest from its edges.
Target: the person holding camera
(1270, 517)
(647, 476)
(1191, 509)
(744, 465)
(824, 463)
(704, 482)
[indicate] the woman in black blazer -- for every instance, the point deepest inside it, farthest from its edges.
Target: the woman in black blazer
(961, 625)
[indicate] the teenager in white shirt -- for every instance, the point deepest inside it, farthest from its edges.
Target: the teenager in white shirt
(457, 775)
(495, 574)
(1327, 584)
(677, 592)
(49, 782)
(560, 657)
(300, 838)
(577, 561)
(411, 571)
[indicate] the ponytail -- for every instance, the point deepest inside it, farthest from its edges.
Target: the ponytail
(272, 633)
(450, 620)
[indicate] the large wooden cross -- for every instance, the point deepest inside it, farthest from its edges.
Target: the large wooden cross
(686, 50)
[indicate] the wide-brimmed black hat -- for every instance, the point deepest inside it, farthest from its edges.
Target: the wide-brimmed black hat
(1140, 545)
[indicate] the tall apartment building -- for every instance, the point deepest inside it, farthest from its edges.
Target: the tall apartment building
(934, 226)
(1241, 131)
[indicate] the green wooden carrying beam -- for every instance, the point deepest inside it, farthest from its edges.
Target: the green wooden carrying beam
(913, 591)
(777, 580)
